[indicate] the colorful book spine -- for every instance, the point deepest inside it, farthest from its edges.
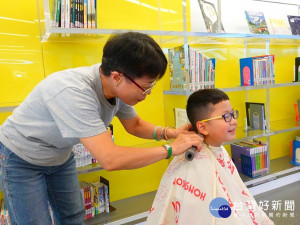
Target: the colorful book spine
(93, 14)
(190, 69)
(250, 158)
(106, 194)
(58, 11)
(257, 70)
(85, 14)
(53, 12)
(89, 14)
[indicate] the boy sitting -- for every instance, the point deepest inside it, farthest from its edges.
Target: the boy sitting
(208, 189)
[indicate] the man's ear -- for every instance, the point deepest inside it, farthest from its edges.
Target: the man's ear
(201, 127)
(116, 77)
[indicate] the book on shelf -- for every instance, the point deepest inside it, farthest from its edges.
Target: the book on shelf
(88, 197)
(297, 110)
(296, 152)
(297, 138)
(250, 158)
(106, 194)
(190, 69)
(279, 26)
(99, 204)
(298, 104)
(210, 16)
(73, 13)
(294, 24)
(180, 117)
(256, 22)
(82, 156)
(93, 13)
(85, 14)
(297, 107)
(297, 68)
(255, 113)
(95, 197)
(257, 70)
(179, 68)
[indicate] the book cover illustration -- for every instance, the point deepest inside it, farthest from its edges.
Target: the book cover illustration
(295, 24)
(279, 26)
(255, 113)
(210, 16)
(256, 22)
(178, 65)
(180, 117)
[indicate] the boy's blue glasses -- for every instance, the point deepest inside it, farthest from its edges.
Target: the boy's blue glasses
(227, 116)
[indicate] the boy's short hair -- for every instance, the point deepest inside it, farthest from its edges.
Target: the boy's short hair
(199, 104)
(135, 54)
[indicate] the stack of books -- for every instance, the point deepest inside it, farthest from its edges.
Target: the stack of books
(82, 156)
(190, 69)
(250, 158)
(74, 13)
(95, 197)
(257, 70)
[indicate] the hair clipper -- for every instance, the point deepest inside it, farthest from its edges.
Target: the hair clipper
(190, 153)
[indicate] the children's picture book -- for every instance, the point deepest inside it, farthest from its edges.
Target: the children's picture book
(256, 22)
(210, 16)
(295, 24)
(279, 26)
(180, 117)
(179, 67)
(255, 113)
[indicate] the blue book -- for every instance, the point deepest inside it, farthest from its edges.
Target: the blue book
(296, 153)
(246, 71)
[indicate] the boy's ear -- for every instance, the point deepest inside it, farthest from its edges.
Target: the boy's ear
(201, 127)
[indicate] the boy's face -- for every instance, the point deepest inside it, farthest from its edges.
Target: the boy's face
(218, 131)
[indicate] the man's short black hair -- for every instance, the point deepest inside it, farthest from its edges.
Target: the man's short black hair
(135, 54)
(198, 104)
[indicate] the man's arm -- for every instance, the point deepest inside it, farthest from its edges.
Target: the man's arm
(113, 157)
(143, 129)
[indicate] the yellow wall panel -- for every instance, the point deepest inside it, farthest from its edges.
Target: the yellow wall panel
(129, 14)
(171, 17)
(21, 63)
